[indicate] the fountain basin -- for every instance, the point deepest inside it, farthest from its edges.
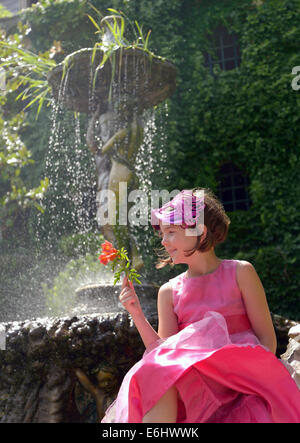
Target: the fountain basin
(144, 80)
(104, 298)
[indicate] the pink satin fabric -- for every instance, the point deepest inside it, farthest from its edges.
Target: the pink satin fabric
(235, 323)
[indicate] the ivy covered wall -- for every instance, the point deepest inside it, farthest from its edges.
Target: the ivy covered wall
(247, 116)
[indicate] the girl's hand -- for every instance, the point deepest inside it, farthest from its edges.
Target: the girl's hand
(129, 299)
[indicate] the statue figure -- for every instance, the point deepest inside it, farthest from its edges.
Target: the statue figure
(104, 389)
(115, 143)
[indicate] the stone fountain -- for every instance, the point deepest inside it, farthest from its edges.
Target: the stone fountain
(114, 94)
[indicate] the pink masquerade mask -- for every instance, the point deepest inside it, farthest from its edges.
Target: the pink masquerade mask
(184, 210)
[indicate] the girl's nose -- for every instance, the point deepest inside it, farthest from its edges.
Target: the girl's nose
(164, 241)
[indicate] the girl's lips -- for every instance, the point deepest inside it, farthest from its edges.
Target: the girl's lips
(171, 251)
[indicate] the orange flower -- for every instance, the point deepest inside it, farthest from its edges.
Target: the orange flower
(112, 255)
(103, 259)
(120, 260)
(107, 246)
(109, 253)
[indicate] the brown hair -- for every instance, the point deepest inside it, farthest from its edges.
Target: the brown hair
(216, 221)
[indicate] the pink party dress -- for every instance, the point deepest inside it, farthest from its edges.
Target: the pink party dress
(221, 371)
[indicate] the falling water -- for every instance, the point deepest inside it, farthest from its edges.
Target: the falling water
(71, 172)
(151, 170)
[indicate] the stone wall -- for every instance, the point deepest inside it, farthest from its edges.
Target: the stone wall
(69, 369)
(65, 370)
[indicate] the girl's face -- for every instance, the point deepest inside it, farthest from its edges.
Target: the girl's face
(177, 243)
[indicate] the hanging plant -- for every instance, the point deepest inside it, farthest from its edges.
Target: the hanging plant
(25, 70)
(29, 71)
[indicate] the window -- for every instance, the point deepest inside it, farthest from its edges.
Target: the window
(26, 3)
(15, 6)
(224, 50)
(233, 188)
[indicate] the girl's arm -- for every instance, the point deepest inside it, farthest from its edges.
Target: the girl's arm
(167, 319)
(256, 304)
(131, 303)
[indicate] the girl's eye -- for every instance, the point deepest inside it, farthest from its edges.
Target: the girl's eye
(161, 235)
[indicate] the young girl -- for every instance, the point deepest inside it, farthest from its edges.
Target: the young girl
(212, 360)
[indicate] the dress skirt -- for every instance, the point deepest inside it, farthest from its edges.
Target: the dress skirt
(220, 377)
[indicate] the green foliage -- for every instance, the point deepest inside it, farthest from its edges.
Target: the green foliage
(249, 116)
(121, 264)
(26, 72)
(117, 30)
(59, 21)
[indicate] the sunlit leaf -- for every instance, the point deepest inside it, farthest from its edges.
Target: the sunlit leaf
(94, 22)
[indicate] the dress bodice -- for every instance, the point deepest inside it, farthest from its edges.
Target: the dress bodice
(217, 291)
